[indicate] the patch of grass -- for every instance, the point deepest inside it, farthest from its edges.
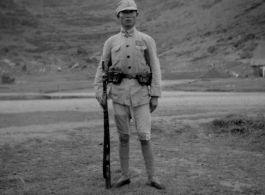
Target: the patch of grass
(74, 166)
(9, 177)
(64, 167)
(248, 130)
(38, 167)
(238, 124)
(175, 130)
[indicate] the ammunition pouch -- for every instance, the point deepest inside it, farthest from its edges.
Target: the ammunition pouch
(144, 78)
(115, 77)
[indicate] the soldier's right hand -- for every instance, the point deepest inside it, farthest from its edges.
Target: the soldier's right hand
(102, 100)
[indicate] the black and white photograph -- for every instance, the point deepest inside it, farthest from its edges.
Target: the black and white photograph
(135, 97)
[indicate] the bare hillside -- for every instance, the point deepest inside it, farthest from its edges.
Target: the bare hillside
(192, 35)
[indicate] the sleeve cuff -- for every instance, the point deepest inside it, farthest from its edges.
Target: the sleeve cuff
(155, 91)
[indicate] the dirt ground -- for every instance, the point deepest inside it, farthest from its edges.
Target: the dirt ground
(55, 147)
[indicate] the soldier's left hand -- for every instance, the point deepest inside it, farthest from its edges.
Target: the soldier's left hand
(153, 103)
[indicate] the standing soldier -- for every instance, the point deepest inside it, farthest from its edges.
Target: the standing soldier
(134, 87)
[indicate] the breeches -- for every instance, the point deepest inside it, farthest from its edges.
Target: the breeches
(140, 115)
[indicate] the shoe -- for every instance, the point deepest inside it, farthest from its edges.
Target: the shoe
(119, 184)
(156, 185)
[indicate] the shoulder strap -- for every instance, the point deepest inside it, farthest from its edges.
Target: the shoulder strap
(110, 62)
(147, 57)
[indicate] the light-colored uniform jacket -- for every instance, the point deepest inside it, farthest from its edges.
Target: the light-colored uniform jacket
(127, 54)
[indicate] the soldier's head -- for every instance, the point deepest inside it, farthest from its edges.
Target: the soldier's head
(127, 12)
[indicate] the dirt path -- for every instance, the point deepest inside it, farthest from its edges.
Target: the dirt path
(58, 135)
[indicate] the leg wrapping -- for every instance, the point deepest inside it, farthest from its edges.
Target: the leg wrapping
(148, 155)
(124, 153)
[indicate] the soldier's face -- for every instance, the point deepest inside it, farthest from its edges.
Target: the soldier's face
(128, 18)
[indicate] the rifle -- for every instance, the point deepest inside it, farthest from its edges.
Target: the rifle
(106, 146)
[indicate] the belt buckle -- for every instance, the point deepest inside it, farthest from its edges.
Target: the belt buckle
(130, 77)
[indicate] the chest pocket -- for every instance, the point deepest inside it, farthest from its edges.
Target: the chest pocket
(142, 61)
(116, 54)
(140, 48)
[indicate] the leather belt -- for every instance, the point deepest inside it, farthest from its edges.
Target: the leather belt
(128, 76)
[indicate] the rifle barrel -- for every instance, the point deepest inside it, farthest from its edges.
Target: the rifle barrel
(106, 146)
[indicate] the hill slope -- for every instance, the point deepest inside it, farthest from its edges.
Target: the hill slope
(191, 35)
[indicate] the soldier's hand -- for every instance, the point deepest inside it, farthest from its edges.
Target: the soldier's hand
(153, 103)
(102, 100)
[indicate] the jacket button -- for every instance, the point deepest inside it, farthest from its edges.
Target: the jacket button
(127, 45)
(128, 56)
(129, 67)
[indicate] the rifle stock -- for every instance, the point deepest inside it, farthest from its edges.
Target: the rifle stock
(106, 146)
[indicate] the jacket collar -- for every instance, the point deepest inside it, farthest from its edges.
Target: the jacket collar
(128, 33)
